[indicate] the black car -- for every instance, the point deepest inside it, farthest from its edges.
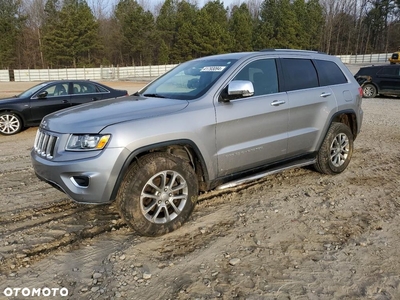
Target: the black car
(379, 80)
(28, 108)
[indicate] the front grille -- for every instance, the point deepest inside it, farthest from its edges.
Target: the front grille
(45, 144)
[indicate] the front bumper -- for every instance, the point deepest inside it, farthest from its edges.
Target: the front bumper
(89, 181)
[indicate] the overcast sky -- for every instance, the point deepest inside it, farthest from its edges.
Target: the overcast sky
(107, 5)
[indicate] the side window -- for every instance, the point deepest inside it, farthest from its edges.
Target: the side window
(101, 89)
(57, 90)
(88, 88)
(329, 73)
(299, 74)
(262, 73)
(76, 87)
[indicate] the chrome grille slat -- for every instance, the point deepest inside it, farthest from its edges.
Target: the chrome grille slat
(40, 143)
(45, 144)
(50, 147)
(38, 133)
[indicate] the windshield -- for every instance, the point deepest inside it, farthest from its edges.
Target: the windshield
(189, 80)
(32, 90)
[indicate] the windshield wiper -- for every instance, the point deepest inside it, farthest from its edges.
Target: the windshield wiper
(154, 95)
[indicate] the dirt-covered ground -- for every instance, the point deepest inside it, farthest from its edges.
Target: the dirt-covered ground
(294, 235)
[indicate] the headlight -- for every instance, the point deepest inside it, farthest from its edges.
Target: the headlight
(84, 142)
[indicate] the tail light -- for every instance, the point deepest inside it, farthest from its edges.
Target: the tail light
(360, 91)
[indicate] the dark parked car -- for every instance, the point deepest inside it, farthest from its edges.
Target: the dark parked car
(379, 80)
(29, 108)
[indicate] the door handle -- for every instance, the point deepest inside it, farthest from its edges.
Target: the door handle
(277, 102)
(65, 101)
(325, 95)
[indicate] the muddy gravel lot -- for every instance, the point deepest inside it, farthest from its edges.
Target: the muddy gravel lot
(294, 235)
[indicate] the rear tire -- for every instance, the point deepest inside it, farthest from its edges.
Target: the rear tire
(336, 150)
(369, 91)
(158, 194)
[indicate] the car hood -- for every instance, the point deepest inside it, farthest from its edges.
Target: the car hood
(93, 117)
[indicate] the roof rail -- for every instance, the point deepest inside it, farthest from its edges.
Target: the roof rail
(292, 50)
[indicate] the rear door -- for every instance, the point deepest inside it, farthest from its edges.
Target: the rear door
(388, 79)
(310, 105)
(253, 131)
(86, 91)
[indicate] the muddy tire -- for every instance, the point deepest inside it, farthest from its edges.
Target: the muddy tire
(369, 91)
(336, 150)
(10, 123)
(158, 194)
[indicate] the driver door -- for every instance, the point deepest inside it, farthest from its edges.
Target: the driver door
(57, 98)
(252, 131)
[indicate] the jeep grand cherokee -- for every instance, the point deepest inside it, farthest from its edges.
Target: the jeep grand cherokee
(213, 122)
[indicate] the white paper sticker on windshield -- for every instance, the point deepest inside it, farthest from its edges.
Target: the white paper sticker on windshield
(213, 69)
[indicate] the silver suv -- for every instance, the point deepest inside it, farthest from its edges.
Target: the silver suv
(212, 122)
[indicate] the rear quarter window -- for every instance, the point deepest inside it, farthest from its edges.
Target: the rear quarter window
(391, 71)
(369, 71)
(329, 73)
(299, 74)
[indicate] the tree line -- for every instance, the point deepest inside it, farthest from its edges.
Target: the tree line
(72, 33)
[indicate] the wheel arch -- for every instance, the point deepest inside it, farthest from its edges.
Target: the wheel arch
(371, 83)
(347, 117)
(185, 149)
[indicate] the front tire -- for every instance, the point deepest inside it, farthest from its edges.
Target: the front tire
(158, 194)
(336, 150)
(369, 91)
(10, 123)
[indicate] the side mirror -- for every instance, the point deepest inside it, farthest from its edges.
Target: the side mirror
(243, 88)
(238, 89)
(42, 95)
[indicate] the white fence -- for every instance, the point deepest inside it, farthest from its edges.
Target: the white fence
(4, 76)
(103, 73)
(366, 58)
(139, 72)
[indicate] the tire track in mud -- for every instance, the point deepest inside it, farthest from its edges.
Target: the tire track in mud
(31, 233)
(31, 211)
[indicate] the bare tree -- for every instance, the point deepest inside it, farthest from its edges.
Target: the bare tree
(343, 20)
(30, 45)
(254, 7)
(101, 9)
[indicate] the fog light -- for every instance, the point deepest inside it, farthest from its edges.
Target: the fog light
(80, 181)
